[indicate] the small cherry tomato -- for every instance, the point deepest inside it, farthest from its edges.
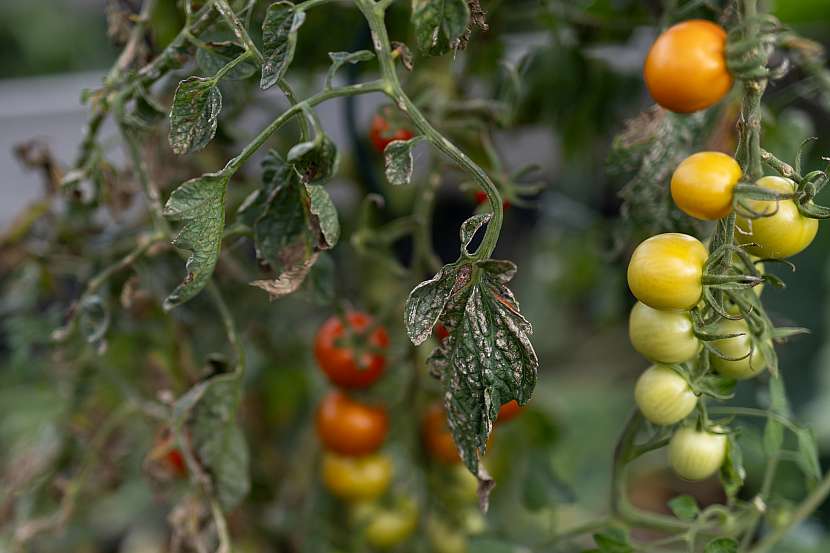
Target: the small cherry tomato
(444, 538)
(740, 365)
(666, 271)
(662, 336)
(381, 133)
(696, 454)
(166, 457)
(508, 411)
(481, 199)
(663, 396)
(389, 528)
(356, 478)
(685, 69)
(702, 185)
(344, 366)
(785, 232)
(350, 428)
(441, 332)
(437, 436)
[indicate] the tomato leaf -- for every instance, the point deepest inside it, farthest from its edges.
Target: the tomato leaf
(487, 359)
(721, 545)
(194, 115)
(398, 161)
(279, 38)
(684, 507)
(200, 205)
(208, 411)
(774, 430)
(217, 55)
(439, 24)
(338, 59)
(808, 455)
(732, 472)
(316, 160)
(613, 540)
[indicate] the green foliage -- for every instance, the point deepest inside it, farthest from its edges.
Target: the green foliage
(279, 37)
(219, 54)
(194, 115)
(439, 24)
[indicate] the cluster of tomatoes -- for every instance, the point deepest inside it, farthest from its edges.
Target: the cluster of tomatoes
(676, 324)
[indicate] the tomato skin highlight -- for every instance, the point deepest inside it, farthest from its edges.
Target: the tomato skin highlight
(666, 271)
(356, 478)
(735, 347)
(663, 396)
(389, 528)
(350, 428)
(339, 363)
(784, 233)
(509, 411)
(662, 336)
(685, 70)
(381, 135)
(702, 185)
(696, 455)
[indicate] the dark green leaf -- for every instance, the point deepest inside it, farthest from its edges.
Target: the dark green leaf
(427, 301)
(684, 507)
(613, 540)
(398, 161)
(716, 386)
(732, 472)
(721, 545)
(194, 115)
(279, 38)
(324, 214)
(439, 24)
(219, 54)
(808, 454)
(200, 205)
(315, 160)
(470, 227)
(338, 59)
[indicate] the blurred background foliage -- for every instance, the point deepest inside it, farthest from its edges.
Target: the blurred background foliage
(579, 64)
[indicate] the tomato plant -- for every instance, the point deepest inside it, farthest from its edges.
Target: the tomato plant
(348, 357)
(697, 454)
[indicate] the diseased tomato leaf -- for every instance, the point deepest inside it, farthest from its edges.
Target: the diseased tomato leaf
(398, 161)
(338, 59)
(439, 24)
(200, 205)
(194, 115)
(279, 38)
(487, 359)
(217, 55)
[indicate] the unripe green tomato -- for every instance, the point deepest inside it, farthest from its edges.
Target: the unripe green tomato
(662, 336)
(663, 396)
(388, 528)
(696, 455)
(738, 348)
(666, 271)
(785, 232)
(443, 538)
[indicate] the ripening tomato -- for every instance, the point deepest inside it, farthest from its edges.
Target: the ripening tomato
(662, 336)
(508, 411)
(697, 454)
(785, 232)
(339, 361)
(381, 133)
(166, 456)
(663, 396)
(685, 69)
(702, 185)
(666, 271)
(350, 428)
(389, 528)
(437, 436)
(356, 478)
(738, 348)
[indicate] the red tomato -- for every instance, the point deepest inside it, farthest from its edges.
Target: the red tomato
(381, 135)
(441, 332)
(350, 428)
(339, 363)
(481, 198)
(509, 411)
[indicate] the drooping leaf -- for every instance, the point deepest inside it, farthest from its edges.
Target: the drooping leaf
(774, 430)
(684, 507)
(288, 281)
(209, 411)
(279, 38)
(721, 545)
(338, 59)
(732, 472)
(808, 455)
(200, 206)
(194, 115)
(398, 161)
(324, 215)
(219, 54)
(427, 301)
(439, 24)
(315, 160)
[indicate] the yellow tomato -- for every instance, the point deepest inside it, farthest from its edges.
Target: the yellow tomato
(444, 538)
(357, 478)
(389, 528)
(663, 396)
(703, 183)
(784, 232)
(685, 69)
(696, 455)
(662, 336)
(665, 271)
(738, 348)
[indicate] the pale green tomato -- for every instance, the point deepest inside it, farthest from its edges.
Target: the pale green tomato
(663, 396)
(738, 348)
(389, 528)
(662, 336)
(444, 538)
(696, 455)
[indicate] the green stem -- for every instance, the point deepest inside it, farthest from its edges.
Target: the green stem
(230, 65)
(375, 14)
(230, 326)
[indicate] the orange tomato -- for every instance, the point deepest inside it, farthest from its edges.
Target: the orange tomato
(685, 70)
(437, 436)
(508, 411)
(350, 428)
(703, 184)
